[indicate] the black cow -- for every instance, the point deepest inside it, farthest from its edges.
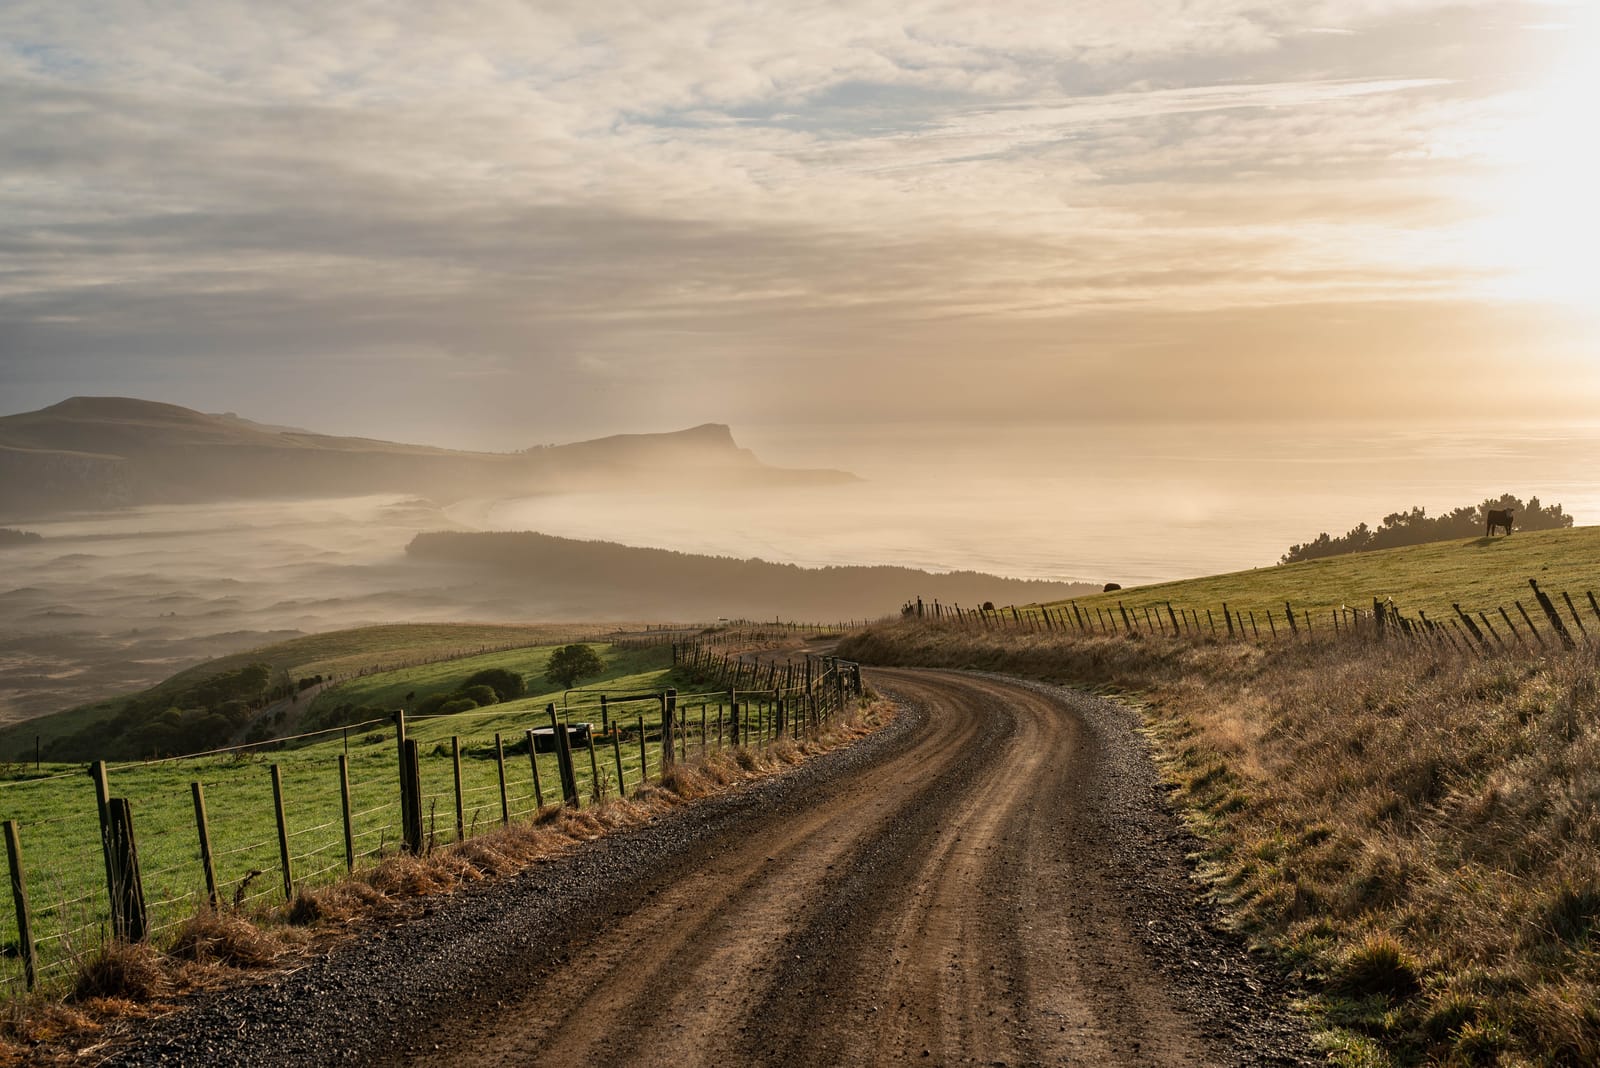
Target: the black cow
(1498, 518)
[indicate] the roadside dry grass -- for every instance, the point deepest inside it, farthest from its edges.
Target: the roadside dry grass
(1417, 837)
(120, 982)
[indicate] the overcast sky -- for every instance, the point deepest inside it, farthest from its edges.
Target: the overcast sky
(493, 224)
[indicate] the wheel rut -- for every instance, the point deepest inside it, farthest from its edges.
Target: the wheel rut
(994, 879)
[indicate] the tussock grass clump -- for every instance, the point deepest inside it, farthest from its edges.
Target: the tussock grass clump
(214, 936)
(1417, 833)
(1379, 964)
(122, 971)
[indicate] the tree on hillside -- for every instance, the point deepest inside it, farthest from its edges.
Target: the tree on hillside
(507, 684)
(570, 663)
(1415, 528)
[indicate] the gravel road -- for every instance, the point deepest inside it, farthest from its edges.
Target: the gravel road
(996, 878)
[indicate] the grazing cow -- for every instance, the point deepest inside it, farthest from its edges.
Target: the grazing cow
(988, 606)
(1498, 518)
(1111, 586)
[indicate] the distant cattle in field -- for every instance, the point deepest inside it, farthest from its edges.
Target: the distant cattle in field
(1112, 586)
(988, 606)
(1497, 519)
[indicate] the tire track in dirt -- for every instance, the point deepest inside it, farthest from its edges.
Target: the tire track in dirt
(945, 905)
(993, 878)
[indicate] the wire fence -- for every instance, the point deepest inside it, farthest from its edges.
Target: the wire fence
(251, 826)
(1552, 621)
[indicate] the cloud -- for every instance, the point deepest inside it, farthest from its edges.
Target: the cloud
(608, 203)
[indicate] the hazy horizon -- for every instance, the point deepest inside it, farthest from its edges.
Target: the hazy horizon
(1082, 291)
(510, 224)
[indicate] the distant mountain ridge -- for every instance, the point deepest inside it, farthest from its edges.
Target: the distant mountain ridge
(108, 452)
(569, 579)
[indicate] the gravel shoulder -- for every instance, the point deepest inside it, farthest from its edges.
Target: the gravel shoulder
(996, 876)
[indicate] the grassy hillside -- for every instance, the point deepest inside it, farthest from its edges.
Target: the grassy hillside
(336, 653)
(57, 815)
(1480, 573)
(1416, 834)
(405, 687)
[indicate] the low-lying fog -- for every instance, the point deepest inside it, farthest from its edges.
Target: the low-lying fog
(111, 602)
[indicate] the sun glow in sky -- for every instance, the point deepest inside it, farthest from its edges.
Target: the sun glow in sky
(1541, 228)
(509, 221)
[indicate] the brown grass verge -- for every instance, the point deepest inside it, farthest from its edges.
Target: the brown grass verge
(1416, 834)
(125, 983)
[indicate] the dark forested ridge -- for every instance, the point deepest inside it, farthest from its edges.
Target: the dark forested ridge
(597, 579)
(1416, 527)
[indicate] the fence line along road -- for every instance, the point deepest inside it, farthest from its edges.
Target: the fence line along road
(130, 851)
(1459, 632)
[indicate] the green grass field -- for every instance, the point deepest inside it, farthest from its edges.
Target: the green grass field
(1480, 573)
(59, 826)
(340, 653)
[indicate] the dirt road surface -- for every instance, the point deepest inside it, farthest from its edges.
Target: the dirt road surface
(995, 879)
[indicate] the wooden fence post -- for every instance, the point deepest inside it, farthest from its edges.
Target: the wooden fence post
(594, 773)
(616, 749)
(669, 706)
(413, 773)
(1551, 614)
(102, 798)
(500, 771)
(1288, 610)
(1472, 628)
(569, 778)
(283, 833)
(203, 830)
(455, 780)
(19, 897)
(1523, 612)
(130, 884)
(1567, 597)
(533, 761)
(402, 773)
(1512, 627)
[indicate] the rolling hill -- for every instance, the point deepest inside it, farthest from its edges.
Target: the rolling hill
(1479, 573)
(100, 452)
(597, 580)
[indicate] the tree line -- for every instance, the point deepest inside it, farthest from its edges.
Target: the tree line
(1416, 527)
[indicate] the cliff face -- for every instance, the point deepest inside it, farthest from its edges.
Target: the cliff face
(98, 452)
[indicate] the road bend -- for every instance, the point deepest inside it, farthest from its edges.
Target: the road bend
(978, 894)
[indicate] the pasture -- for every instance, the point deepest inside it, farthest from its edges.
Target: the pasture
(59, 826)
(341, 653)
(1479, 573)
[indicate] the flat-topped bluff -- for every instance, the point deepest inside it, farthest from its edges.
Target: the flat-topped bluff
(98, 452)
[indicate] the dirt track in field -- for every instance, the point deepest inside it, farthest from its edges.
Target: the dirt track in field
(953, 903)
(995, 878)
